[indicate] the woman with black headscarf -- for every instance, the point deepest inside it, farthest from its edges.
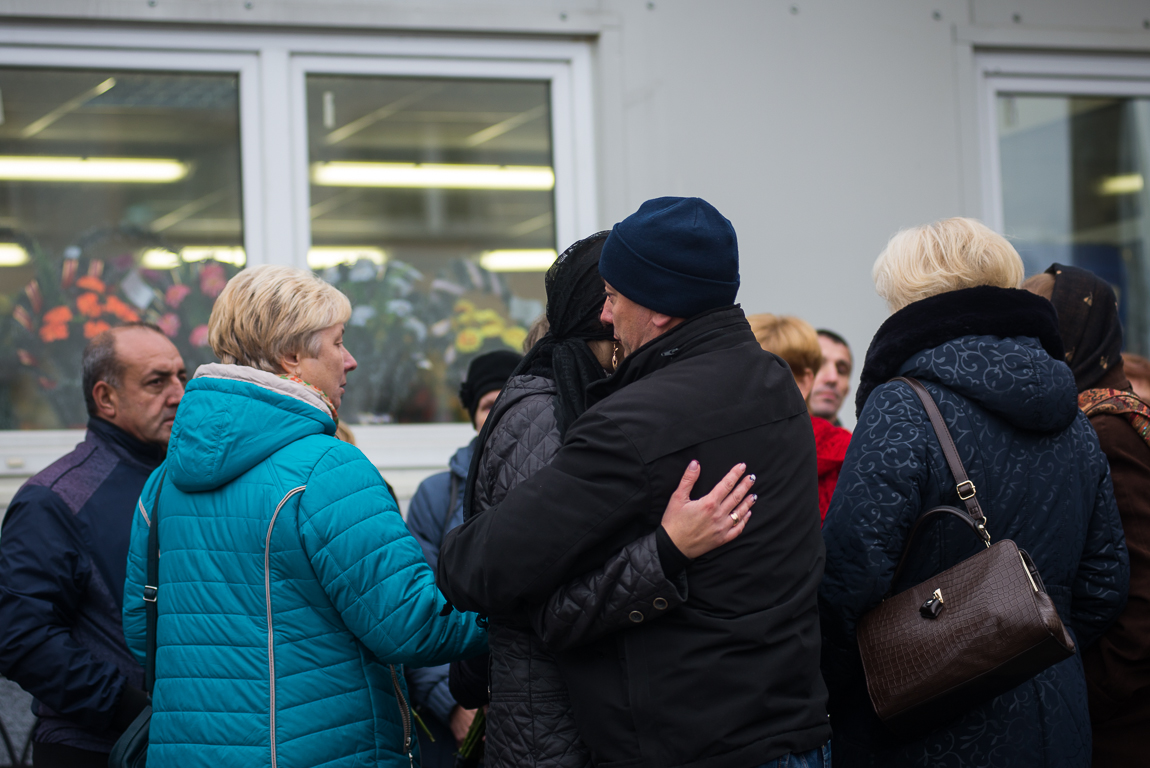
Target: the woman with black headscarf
(529, 721)
(1118, 665)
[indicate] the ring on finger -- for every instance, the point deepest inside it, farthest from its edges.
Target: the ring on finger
(735, 517)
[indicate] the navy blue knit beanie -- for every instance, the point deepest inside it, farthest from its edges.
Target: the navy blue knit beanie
(675, 255)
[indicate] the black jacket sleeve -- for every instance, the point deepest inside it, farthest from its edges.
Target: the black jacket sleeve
(468, 681)
(607, 600)
(43, 574)
(562, 521)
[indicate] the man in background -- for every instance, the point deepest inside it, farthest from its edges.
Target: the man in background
(833, 379)
(436, 508)
(63, 549)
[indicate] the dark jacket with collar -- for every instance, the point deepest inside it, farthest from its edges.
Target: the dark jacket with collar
(63, 549)
(434, 510)
(1118, 665)
(729, 678)
(991, 358)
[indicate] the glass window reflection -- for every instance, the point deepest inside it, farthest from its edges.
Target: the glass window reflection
(1074, 190)
(432, 208)
(119, 200)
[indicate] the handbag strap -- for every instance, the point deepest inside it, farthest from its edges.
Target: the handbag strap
(965, 488)
(151, 588)
(973, 516)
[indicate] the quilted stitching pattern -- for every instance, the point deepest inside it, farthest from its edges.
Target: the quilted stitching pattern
(1044, 484)
(529, 720)
(350, 593)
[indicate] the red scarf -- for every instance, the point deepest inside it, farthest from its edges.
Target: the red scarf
(830, 450)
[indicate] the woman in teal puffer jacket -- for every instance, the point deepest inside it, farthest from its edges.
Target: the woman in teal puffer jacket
(290, 590)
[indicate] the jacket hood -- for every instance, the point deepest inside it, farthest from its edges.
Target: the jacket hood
(1014, 378)
(980, 311)
(461, 459)
(233, 417)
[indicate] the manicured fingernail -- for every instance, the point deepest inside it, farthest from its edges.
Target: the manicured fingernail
(751, 478)
(754, 497)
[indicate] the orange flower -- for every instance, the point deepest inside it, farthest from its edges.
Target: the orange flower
(89, 304)
(57, 316)
(50, 332)
(94, 328)
(91, 283)
(121, 310)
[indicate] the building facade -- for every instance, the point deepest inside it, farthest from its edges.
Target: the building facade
(431, 157)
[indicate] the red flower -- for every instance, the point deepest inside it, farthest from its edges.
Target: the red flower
(169, 324)
(53, 332)
(92, 283)
(26, 358)
(176, 294)
(120, 310)
(23, 317)
(59, 315)
(199, 336)
(68, 273)
(33, 292)
(89, 304)
(212, 279)
(94, 328)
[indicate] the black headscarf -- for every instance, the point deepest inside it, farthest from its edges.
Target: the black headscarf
(1088, 321)
(575, 296)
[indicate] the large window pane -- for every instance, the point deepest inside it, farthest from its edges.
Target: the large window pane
(432, 208)
(1074, 190)
(119, 199)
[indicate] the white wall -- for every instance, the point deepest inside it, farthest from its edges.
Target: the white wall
(819, 127)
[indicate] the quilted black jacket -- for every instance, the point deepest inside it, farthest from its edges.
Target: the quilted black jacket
(529, 721)
(730, 678)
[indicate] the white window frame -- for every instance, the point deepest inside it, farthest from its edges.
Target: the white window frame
(1063, 75)
(272, 67)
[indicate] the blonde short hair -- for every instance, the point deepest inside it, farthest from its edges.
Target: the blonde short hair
(268, 312)
(790, 338)
(945, 256)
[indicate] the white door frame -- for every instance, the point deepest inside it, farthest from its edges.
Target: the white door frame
(1069, 75)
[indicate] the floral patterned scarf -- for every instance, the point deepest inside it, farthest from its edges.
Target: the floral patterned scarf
(1118, 402)
(323, 395)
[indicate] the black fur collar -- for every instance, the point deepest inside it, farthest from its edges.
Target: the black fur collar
(981, 311)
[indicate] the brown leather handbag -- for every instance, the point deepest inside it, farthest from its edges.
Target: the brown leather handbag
(960, 638)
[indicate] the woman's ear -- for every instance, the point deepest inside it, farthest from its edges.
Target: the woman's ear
(289, 363)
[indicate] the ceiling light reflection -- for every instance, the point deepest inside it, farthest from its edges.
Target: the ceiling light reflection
(518, 260)
(432, 176)
(131, 170)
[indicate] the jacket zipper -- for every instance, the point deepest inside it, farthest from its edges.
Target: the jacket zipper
(268, 599)
(404, 715)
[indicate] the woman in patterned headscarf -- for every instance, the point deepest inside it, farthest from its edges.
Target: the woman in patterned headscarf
(1117, 673)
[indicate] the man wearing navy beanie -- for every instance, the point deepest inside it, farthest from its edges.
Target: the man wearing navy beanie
(729, 678)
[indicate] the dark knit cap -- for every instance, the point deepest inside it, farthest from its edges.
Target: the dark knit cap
(675, 255)
(487, 373)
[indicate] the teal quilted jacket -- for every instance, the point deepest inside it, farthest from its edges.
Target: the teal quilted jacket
(288, 586)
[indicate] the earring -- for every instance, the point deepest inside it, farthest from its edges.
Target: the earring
(614, 355)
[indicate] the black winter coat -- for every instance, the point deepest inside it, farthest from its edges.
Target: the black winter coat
(730, 678)
(1042, 482)
(529, 722)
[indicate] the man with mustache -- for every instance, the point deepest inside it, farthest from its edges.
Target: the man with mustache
(64, 545)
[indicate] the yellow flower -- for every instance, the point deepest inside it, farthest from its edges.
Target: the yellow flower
(468, 340)
(514, 337)
(491, 330)
(485, 316)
